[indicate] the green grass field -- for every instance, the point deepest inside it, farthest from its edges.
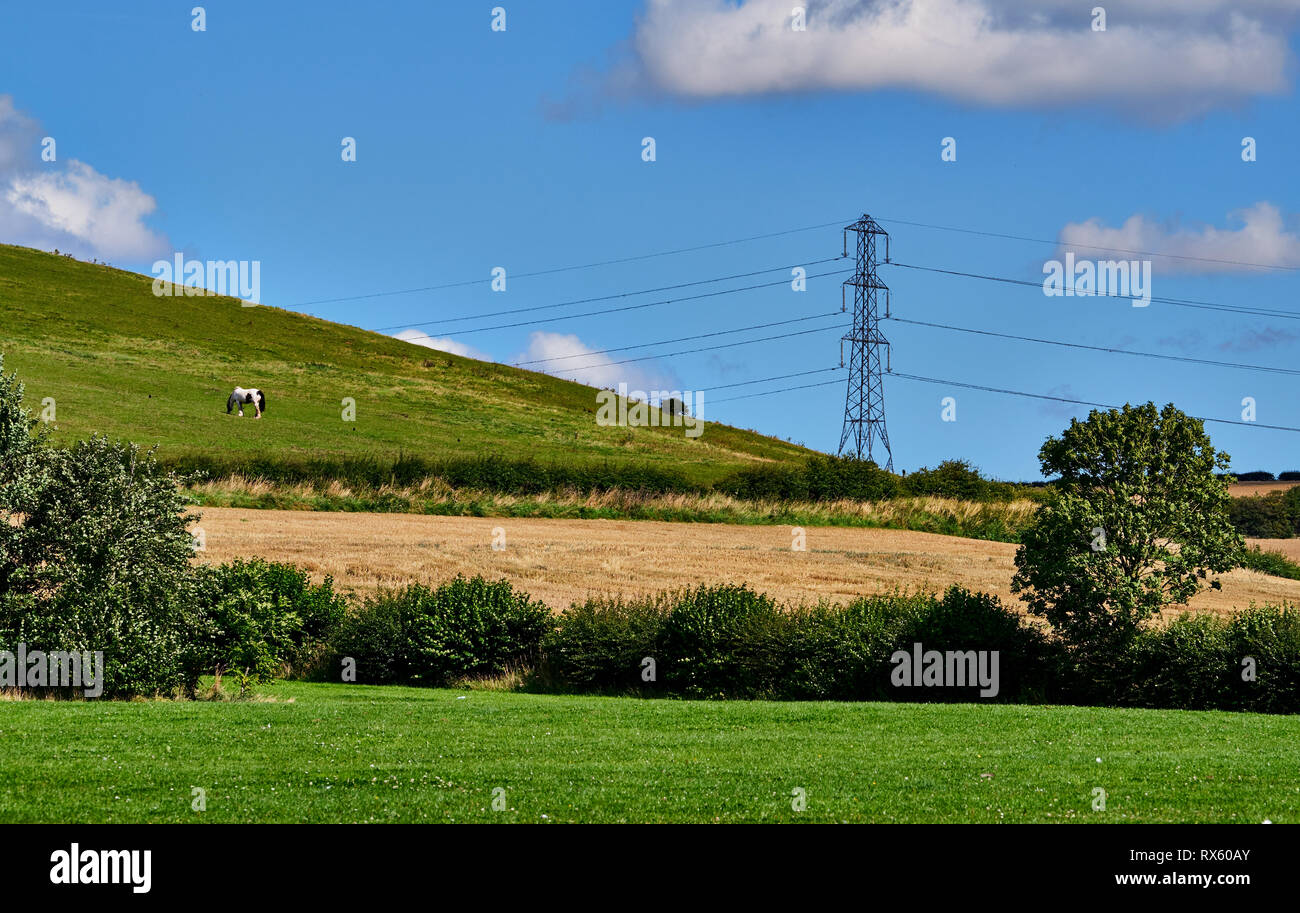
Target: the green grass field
(354, 753)
(157, 370)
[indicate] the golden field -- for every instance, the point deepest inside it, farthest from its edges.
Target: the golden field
(1247, 489)
(560, 561)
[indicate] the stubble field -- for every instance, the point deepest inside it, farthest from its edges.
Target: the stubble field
(560, 561)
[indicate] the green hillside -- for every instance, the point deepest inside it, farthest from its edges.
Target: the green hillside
(157, 370)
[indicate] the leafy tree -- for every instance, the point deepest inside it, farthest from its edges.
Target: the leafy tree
(94, 555)
(1137, 521)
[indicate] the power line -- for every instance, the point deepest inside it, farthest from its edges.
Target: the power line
(1079, 345)
(763, 380)
(648, 291)
(1121, 250)
(1077, 402)
(825, 383)
(664, 342)
(628, 307)
(1178, 302)
(725, 345)
(565, 269)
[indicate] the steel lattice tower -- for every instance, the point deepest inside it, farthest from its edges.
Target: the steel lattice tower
(864, 404)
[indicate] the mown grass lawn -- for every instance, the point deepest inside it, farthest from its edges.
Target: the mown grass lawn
(354, 753)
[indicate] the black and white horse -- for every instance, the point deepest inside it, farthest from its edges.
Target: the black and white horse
(241, 398)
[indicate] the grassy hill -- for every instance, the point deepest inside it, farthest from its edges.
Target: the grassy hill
(157, 370)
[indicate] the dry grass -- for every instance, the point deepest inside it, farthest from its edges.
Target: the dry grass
(435, 496)
(560, 561)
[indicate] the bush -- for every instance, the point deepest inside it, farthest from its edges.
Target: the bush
(1249, 662)
(494, 474)
(1269, 636)
(1186, 664)
(821, 478)
(95, 557)
(730, 642)
(1291, 475)
(723, 641)
(1274, 515)
(956, 479)
(434, 636)
(842, 653)
(1028, 661)
(1273, 563)
(1258, 475)
(264, 619)
(600, 645)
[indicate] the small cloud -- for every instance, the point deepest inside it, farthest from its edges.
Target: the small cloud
(1261, 239)
(71, 207)
(1255, 340)
(441, 344)
(1059, 410)
(1188, 339)
(565, 355)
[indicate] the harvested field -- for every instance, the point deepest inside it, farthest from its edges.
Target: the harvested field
(1246, 489)
(560, 561)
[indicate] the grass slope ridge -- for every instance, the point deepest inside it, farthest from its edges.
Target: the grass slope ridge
(156, 370)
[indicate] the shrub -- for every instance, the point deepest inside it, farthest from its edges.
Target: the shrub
(373, 641)
(1268, 516)
(264, 619)
(467, 627)
(95, 556)
(1028, 661)
(1270, 562)
(600, 645)
(956, 479)
(730, 642)
(1186, 664)
(842, 653)
(1291, 475)
(821, 478)
(1270, 636)
(723, 641)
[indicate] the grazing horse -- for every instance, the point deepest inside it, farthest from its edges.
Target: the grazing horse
(242, 397)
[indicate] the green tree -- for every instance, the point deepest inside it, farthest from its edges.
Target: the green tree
(1137, 521)
(94, 555)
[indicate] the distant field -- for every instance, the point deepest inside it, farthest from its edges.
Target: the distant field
(1246, 489)
(560, 561)
(157, 370)
(323, 753)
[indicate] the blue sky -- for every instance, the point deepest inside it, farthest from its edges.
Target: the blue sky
(522, 149)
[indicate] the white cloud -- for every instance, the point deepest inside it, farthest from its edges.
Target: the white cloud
(1262, 238)
(71, 207)
(569, 357)
(442, 344)
(104, 214)
(1172, 58)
